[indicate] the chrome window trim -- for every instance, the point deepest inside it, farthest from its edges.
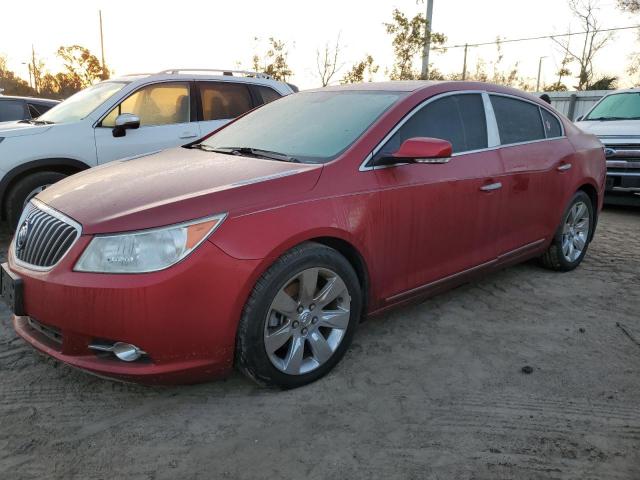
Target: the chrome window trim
(493, 134)
(54, 213)
(364, 167)
(540, 107)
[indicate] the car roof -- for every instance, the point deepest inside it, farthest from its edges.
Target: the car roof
(29, 99)
(202, 74)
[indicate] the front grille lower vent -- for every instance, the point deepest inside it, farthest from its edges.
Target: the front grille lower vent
(43, 237)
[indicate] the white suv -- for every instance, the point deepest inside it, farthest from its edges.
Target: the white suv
(122, 117)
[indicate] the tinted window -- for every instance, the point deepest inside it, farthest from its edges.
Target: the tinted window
(224, 100)
(518, 121)
(268, 94)
(33, 110)
(44, 107)
(310, 126)
(11, 110)
(459, 119)
(551, 125)
(160, 104)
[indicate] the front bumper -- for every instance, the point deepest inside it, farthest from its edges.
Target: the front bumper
(185, 317)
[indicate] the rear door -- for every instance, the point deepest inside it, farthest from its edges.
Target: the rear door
(221, 102)
(534, 152)
(441, 219)
(167, 119)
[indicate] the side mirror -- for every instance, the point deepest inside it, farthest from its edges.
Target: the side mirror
(124, 122)
(421, 150)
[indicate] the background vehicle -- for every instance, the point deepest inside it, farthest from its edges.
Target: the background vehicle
(265, 243)
(122, 117)
(615, 119)
(23, 108)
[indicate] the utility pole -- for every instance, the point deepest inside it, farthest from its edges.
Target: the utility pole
(102, 43)
(33, 69)
(427, 42)
(539, 72)
(464, 65)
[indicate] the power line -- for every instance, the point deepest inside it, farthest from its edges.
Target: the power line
(543, 37)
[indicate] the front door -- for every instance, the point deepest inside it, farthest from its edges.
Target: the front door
(441, 219)
(165, 121)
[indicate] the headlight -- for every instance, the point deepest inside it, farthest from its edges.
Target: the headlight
(146, 250)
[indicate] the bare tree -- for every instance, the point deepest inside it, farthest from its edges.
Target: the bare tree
(594, 39)
(327, 62)
(632, 6)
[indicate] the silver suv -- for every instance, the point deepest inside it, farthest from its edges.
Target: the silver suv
(122, 117)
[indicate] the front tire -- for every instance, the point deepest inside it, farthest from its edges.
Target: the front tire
(300, 318)
(24, 190)
(571, 241)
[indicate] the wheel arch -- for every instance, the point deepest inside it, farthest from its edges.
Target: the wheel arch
(67, 166)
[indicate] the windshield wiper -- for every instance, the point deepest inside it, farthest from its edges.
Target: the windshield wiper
(249, 151)
(604, 119)
(32, 121)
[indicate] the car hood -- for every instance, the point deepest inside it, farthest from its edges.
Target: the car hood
(173, 186)
(611, 128)
(16, 129)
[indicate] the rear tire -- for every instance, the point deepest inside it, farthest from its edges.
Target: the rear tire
(300, 318)
(571, 240)
(24, 190)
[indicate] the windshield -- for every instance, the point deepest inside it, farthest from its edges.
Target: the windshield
(619, 106)
(309, 127)
(78, 106)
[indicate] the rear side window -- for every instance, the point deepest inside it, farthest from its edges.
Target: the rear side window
(518, 121)
(268, 94)
(551, 125)
(221, 101)
(460, 119)
(11, 110)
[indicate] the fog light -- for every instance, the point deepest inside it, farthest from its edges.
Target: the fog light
(123, 351)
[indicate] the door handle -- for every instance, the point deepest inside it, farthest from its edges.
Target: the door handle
(188, 135)
(564, 167)
(490, 187)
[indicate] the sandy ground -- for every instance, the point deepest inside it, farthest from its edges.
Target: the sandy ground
(431, 391)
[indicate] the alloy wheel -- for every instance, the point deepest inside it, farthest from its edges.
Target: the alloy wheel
(307, 320)
(575, 231)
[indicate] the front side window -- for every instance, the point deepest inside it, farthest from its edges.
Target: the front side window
(618, 106)
(312, 127)
(223, 101)
(459, 119)
(160, 104)
(81, 104)
(552, 127)
(11, 110)
(518, 121)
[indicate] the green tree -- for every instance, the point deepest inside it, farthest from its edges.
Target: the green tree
(409, 36)
(82, 67)
(274, 61)
(359, 69)
(606, 82)
(11, 83)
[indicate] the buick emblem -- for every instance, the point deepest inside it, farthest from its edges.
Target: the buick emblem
(21, 237)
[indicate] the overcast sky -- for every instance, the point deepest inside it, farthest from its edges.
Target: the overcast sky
(148, 36)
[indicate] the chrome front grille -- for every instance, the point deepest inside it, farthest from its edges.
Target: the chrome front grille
(43, 236)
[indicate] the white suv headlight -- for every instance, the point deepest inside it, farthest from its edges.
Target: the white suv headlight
(146, 250)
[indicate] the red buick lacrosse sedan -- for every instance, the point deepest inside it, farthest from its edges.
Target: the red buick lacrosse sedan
(264, 244)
